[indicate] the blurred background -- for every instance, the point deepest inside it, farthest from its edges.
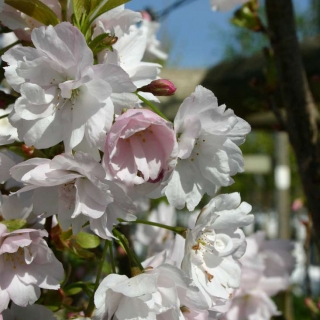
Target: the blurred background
(205, 47)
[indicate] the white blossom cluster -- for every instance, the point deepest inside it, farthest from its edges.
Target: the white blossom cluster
(79, 145)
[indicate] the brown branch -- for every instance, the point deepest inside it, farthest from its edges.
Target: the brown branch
(297, 100)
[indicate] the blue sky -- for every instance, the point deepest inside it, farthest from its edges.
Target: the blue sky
(199, 35)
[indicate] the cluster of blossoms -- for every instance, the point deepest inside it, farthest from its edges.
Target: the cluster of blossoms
(266, 269)
(81, 151)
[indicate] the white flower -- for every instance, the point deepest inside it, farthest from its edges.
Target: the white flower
(18, 206)
(127, 53)
(64, 97)
(7, 160)
(208, 137)
(8, 134)
(153, 49)
(155, 294)
(26, 264)
(254, 306)
(75, 188)
(33, 312)
(214, 246)
(117, 21)
(266, 267)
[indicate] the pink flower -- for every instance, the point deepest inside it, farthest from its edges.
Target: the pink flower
(26, 265)
(140, 147)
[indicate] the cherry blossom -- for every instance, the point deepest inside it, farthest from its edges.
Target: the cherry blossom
(82, 98)
(75, 188)
(214, 245)
(33, 312)
(127, 52)
(7, 160)
(267, 265)
(153, 49)
(155, 294)
(58, 81)
(8, 134)
(26, 264)
(208, 137)
(140, 147)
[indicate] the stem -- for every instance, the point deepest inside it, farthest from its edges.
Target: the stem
(113, 266)
(297, 99)
(136, 266)
(90, 307)
(63, 4)
(179, 230)
(152, 106)
(3, 50)
(172, 7)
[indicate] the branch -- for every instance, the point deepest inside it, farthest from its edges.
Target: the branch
(297, 100)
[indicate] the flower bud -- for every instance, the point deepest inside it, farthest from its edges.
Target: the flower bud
(160, 87)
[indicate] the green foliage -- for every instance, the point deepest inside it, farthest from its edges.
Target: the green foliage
(52, 299)
(86, 11)
(87, 241)
(247, 17)
(244, 43)
(15, 224)
(101, 42)
(77, 244)
(36, 10)
(81, 9)
(77, 287)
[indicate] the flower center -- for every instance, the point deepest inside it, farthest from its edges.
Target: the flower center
(15, 259)
(67, 193)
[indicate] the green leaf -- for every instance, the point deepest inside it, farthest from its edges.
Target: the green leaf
(97, 40)
(65, 235)
(73, 291)
(81, 253)
(86, 240)
(77, 287)
(81, 9)
(36, 10)
(94, 4)
(52, 299)
(111, 4)
(247, 17)
(15, 224)
(3, 50)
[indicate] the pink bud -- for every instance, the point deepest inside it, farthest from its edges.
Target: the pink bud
(146, 15)
(160, 87)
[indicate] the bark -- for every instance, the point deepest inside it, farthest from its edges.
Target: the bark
(297, 100)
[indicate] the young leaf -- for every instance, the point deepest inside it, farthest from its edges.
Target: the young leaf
(77, 287)
(80, 8)
(94, 4)
(36, 10)
(86, 240)
(13, 225)
(97, 40)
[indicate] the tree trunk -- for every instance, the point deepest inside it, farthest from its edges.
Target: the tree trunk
(297, 100)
